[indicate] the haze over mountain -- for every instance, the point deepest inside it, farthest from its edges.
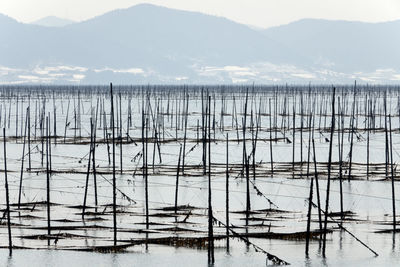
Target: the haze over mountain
(152, 44)
(343, 45)
(52, 21)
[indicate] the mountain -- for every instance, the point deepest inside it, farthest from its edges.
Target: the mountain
(153, 44)
(343, 45)
(161, 40)
(6, 22)
(52, 21)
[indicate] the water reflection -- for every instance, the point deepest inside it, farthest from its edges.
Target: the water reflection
(114, 260)
(10, 261)
(307, 262)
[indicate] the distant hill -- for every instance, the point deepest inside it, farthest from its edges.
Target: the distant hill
(147, 43)
(343, 45)
(52, 21)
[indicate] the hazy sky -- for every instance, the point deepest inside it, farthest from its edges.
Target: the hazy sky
(261, 13)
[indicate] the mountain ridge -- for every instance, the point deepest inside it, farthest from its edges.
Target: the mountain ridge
(167, 45)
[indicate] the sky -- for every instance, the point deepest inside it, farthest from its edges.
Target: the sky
(259, 13)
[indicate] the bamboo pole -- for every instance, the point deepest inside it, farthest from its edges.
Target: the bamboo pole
(309, 216)
(48, 181)
(392, 175)
(22, 162)
(7, 194)
(177, 180)
(227, 193)
(113, 168)
(329, 173)
(211, 258)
